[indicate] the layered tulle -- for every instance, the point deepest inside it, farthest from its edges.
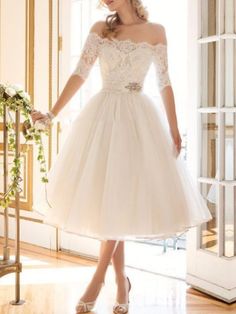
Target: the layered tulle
(116, 175)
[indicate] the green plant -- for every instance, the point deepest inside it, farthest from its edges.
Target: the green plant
(13, 98)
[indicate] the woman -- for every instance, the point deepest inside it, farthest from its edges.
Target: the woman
(118, 175)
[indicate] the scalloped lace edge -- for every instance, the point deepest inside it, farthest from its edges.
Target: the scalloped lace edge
(129, 41)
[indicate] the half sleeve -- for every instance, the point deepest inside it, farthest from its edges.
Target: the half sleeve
(161, 66)
(88, 55)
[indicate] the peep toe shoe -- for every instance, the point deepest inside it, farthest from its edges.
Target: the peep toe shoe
(85, 307)
(122, 308)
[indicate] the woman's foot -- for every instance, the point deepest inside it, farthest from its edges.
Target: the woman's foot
(87, 300)
(122, 296)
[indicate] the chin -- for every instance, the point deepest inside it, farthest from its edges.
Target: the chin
(113, 5)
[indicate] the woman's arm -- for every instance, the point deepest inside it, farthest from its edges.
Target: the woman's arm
(72, 85)
(87, 58)
(169, 103)
(165, 87)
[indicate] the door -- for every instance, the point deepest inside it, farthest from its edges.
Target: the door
(212, 47)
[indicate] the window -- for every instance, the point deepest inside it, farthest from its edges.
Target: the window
(217, 102)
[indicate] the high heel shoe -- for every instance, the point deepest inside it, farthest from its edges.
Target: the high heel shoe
(85, 307)
(122, 308)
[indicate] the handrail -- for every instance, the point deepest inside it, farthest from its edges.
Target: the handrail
(6, 264)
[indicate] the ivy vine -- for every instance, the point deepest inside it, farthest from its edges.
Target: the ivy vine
(13, 98)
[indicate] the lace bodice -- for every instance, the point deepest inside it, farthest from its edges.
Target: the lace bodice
(123, 62)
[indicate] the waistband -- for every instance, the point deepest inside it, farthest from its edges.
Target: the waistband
(130, 87)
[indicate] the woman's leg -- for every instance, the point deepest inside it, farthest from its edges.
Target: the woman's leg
(118, 261)
(107, 249)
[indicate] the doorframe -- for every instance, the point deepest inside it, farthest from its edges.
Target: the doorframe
(218, 280)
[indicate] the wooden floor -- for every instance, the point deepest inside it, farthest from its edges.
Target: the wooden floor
(52, 283)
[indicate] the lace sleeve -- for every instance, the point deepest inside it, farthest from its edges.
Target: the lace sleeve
(161, 66)
(88, 56)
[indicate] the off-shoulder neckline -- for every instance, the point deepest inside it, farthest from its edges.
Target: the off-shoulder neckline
(139, 43)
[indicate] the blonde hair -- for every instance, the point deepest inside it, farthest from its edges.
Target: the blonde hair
(113, 20)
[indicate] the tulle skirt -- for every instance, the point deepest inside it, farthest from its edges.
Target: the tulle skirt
(117, 176)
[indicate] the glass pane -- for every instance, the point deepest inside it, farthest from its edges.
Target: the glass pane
(228, 49)
(209, 231)
(229, 146)
(208, 74)
(209, 16)
(229, 220)
(234, 153)
(209, 145)
(229, 17)
(235, 17)
(234, 70)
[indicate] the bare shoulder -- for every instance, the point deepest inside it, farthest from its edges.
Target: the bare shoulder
(158, 33)
(98, 27)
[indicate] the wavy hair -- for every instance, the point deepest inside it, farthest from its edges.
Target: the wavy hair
(113, 20)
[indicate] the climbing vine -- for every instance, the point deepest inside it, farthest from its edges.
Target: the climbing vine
(13, 98)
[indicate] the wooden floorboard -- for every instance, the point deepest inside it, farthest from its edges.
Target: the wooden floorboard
(53, 281)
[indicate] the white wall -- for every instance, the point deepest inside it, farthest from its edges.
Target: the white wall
(16, 52)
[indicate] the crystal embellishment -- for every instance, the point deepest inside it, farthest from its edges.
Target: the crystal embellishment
(134, 86)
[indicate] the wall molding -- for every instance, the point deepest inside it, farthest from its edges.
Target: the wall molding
(29, 47)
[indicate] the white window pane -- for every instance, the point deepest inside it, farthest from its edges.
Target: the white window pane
(209, 17)
(209, 230)
(208, 82)
(209, 145)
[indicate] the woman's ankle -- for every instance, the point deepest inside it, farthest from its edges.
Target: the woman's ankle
(121, 277)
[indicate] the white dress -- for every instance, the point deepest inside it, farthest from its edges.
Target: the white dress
(116, 175)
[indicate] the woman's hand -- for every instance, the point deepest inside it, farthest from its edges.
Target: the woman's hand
(41, 121)
(176, 140)
(37, 115)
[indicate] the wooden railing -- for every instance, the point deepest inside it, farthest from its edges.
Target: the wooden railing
(6, 264)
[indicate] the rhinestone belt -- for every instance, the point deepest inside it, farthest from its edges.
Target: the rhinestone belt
(119, 87)
(133, 86)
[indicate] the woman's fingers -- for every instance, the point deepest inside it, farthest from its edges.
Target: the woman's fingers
(177, 143)
(36, 112)
(37, 115)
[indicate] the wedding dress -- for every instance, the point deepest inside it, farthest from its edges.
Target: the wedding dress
(116, 175)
